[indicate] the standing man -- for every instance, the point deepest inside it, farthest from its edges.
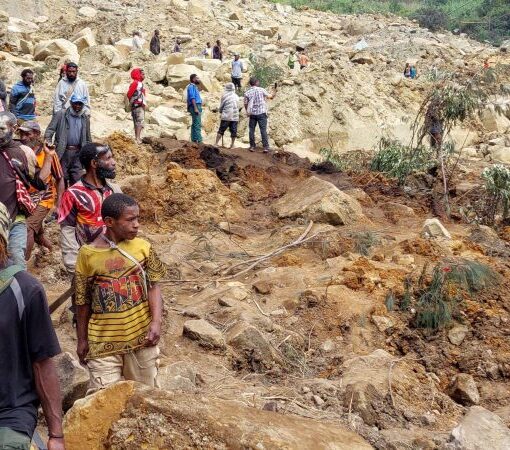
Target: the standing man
(256, 108)
(195, 108)
(17, 176)
(229, 110)
(217, 52)
(207, 51)
(303, 60)
(237, 72)
(69, 131)
(79, 214)
(118, 300)
(137, 101)
(155, 45)
(68, 86)
(22, 99)
(30, 135)
(177, 46)
(137, 41)
(3, 96)
(28, 377)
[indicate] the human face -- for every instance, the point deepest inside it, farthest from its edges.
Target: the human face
(29, 138)
(142, 75)
(77, 107)
(127, 225)
(28, 79)
(196, 81)
(105, 166)
(6, 130)
(71, 73)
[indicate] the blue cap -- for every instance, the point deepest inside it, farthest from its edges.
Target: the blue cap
(75, 98)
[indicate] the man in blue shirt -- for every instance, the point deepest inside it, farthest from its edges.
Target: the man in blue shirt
(22, 100)
(195, 108)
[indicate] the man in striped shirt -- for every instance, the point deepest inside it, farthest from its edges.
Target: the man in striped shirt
(229, 110)
(118, 300)
(256, 108)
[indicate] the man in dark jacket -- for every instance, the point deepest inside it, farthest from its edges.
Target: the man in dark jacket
(69, 131)
(22, 99)
(155, 45)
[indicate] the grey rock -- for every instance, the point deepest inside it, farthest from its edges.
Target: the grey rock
(202, 331)
(463, 390)
(74, 379)
(457, 334)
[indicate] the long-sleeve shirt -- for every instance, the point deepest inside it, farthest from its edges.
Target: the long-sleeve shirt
(22, 101)
(229, 107)
(61, 100)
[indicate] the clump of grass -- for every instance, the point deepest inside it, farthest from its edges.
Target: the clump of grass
(353, 161)
(438, 300)
(497, 187)
(364, 241)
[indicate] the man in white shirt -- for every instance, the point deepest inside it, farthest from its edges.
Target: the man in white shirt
(68, 86)
(237, 72)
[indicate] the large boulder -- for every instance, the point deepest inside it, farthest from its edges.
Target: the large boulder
(500, 153)
(320, 201)
(267, 30)
(168, 117)
(87, 11)
(74, 379)
(199, 8)
(131, 415)
(56, 48)
(433, 228)
(175, 58)
(208, 65)
(156, 71)
(96, 58)
(21, 26)
(481, 429)
(84, 39)
(178, 77)
(463, 390)
(202, 331)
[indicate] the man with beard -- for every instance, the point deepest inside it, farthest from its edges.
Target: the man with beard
(79, 213)
(70, 131)
(17, 175)
(30, 136)
(22, 99)
(69, 85)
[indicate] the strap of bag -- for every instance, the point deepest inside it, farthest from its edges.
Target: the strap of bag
(114, 246)
(24, 99)
(7, 279)
(22, 194)
(69, 92)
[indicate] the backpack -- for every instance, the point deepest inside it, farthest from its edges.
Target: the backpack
(7, 280)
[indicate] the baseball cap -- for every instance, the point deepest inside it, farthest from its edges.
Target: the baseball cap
(75, 98)
(30, 125)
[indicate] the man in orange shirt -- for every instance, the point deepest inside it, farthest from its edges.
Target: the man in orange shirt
(303, 60)
(30, 135)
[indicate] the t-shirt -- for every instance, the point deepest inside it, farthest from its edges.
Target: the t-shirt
(23, 342)
(80, 207)
(237, 69)
(47, 197)
(114, 287)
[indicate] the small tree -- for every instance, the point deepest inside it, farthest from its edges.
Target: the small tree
(431, 17)
(266, 73)
(497, 185)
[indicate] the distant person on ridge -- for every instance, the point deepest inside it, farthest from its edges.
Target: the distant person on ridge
(155, 45)
(69, 85)
(207, 51)
(177, 47)
(194, 101)
(256, 108)
(291, 63)
(407, 70)
(229, 110)
(303, 60)
(217, 52)
(137, 41)
(137, 101)
(237, 72)
(22, 99)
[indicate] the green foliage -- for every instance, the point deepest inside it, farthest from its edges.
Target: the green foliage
(266, 73)
(398, 161)
(364, 241)
(431, 17)
(497, 186)
(438, 301)
(481, 19)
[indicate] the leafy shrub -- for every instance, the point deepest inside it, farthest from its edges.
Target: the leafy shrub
(398, 161)
(266, 73)
(432, 18)
(497, 185)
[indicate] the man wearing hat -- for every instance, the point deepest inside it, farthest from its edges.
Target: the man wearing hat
(237, 72)
(30, 136)
(69, 131)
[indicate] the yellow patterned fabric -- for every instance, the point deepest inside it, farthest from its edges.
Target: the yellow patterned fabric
(113, 285)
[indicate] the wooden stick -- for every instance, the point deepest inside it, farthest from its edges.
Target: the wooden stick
(60, 300)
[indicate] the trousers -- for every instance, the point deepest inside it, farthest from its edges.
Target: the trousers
(196, 123)
(17, 245)
(13, 440)
(71, 165)
(261, 120)
(139, 365)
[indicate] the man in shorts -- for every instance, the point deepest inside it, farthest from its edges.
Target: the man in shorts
(229, 110)
(137, 101)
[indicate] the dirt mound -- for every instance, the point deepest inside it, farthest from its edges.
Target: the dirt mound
(131, 159)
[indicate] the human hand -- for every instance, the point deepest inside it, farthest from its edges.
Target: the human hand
(82, 350)
(154, 333)
(49, 149)
(197, 111)
(56, 444)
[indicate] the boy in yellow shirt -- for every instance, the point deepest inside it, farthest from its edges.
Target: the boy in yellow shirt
(118, 299)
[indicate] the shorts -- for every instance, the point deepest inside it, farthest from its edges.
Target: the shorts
(138, 115)
(35, 221)
(231, 125)
(237, 82)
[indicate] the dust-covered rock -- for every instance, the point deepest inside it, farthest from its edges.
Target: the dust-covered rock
(73, 377)
(463, 390)
(202, 331)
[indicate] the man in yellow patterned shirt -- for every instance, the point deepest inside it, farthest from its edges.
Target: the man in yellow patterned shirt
(118, 299)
